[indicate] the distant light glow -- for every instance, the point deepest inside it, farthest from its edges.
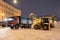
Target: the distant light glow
(2, 14)
(10, 19)
(5, 19)
(15, 1)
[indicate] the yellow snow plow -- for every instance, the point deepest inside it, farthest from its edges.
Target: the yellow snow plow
(44, 23)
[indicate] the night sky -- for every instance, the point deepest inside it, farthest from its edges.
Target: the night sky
(39, 7)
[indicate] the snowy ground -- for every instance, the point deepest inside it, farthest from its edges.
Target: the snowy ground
(30, 34)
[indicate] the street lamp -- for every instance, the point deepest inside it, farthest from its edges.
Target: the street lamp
(15, 1)
(2, 14)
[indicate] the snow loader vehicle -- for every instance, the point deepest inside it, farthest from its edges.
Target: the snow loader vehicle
(44, 23)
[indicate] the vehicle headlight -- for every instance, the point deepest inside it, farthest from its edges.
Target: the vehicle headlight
(5, 19)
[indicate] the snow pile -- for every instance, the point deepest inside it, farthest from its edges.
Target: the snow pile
(57, 24)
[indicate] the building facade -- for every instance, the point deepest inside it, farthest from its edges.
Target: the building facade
(7, 10)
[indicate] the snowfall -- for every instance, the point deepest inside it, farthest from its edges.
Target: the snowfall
(30, 34)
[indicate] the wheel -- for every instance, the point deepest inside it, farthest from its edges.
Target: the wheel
(11, 27)
(36, 27)
(16, 27)
(29, 26)
(22, 26)
(46, 27)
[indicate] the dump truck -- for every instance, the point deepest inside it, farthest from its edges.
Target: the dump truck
(17, 21)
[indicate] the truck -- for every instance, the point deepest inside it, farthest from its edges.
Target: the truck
(17, 21)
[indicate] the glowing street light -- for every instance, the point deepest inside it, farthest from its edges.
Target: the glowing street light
(2, 14)
(15, 1)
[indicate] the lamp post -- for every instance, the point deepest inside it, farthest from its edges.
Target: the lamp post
(14, 1)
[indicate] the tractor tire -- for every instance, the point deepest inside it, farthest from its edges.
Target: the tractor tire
(45, 27)
(36, 27)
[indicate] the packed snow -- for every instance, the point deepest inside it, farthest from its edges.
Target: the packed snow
(30, 34)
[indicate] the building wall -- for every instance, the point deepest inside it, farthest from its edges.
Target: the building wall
(7, 10)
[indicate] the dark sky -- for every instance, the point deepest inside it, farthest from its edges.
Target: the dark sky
(39, 7)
